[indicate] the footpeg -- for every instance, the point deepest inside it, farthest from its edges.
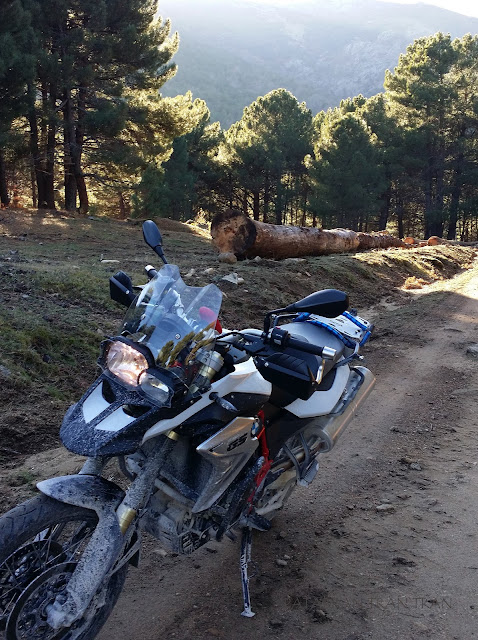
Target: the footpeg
(255, 521)
(309, 474)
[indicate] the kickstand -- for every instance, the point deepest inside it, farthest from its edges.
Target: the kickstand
(246, 546)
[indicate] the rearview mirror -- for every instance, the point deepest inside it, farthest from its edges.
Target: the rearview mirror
(329, 303)
(152, 237)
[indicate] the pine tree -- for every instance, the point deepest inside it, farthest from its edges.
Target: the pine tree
(203, 148)
(179, 179)
(347, 176)
(421, 92)
(390, 141)
(16, 70)
(95, 57)
(463, 150)
(267, 148)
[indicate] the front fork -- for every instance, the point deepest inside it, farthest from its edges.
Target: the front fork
(140, 489)
(116, 511)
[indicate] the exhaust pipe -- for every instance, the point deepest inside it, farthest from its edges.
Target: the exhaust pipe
(328, 428)
(322, 434)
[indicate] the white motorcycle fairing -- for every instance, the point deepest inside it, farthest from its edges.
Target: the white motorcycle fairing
(244, 379)
(321, 402)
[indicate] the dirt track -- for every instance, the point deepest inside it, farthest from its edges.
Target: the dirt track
(409, 571)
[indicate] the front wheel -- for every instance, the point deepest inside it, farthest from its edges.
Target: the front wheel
(41, 542)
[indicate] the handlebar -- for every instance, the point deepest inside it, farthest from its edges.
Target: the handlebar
(282, 339)
(150, 271)
(325, 352)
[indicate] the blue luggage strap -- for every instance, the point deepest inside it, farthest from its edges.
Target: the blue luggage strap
(305, 317)
(368, 332)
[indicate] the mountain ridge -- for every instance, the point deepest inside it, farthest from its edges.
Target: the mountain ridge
(322, 51)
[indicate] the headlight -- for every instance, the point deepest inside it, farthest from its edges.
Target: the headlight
(125, 362)
(155, 389)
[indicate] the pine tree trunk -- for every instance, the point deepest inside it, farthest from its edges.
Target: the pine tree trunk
(385, 208)
(255, 205)
(428, 199)
(78, 150)
(244, 202)
(70, 187)
(265, 213)
(34, 187)
(50, 155)
(82, 194)
(305, 196)
(439, 196)
(455, 196)
(4, 195)
(400, 218)
(69, 139)
(36, 158)
(278, 203)
(233, 232)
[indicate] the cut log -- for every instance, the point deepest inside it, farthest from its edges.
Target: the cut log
(433, 241)
(233, 232)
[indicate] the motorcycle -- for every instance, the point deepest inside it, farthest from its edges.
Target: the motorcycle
(212, 429)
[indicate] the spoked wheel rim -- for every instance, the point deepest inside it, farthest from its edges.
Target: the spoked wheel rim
(35, 563)
(28, 618)
(17, 571)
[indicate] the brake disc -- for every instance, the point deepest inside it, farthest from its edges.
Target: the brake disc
(21, 567)
(28, 618)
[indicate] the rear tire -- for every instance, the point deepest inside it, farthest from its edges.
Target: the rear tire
(40, 542)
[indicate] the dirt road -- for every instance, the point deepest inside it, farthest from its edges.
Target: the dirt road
(384, 545)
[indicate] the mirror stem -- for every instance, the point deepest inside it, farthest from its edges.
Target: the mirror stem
(159, 251)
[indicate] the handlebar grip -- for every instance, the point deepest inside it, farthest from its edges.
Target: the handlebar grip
(300, 345)
(150, 271)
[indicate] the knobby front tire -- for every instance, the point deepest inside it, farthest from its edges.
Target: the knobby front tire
(40, 543)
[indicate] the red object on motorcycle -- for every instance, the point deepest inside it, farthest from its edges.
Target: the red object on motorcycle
(264, 453)
(208, 315)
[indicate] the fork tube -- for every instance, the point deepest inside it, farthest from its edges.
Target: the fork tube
(140, 489)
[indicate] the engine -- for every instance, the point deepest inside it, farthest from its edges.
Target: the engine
(173, 524)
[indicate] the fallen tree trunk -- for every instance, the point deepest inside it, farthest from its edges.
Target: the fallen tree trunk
(433, 241)
(234, 233)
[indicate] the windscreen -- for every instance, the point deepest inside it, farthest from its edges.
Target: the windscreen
(168, 316)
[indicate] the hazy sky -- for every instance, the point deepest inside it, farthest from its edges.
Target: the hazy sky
(467, 7)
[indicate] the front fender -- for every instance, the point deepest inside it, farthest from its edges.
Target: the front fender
(89, 492)
(101, 552)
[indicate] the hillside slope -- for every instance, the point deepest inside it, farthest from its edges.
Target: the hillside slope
(322, 50)
(56, 308)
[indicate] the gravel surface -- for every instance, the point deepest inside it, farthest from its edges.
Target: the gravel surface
(384, 544)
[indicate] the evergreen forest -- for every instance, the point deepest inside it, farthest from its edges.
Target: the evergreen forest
(85, 128)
